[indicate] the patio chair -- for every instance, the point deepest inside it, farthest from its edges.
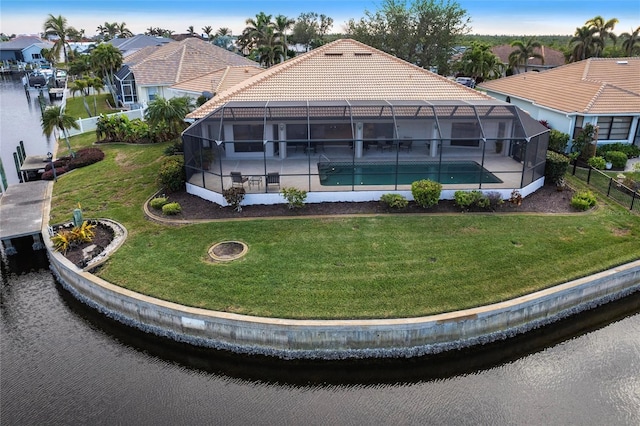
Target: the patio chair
(406, 144)
(273, 178)
(238, 180)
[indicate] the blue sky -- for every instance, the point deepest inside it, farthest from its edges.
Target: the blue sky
(511, 17)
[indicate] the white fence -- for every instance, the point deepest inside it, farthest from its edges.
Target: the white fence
(89, 124)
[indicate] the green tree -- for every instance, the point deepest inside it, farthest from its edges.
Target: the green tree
(106, 59)
(168, 113)
(310, 30)
(53, 118)
(423, 34)
(123, 31)
(282, 25)
(207, 31)
(480, 63)
(191, 31)
(49, 55)
(583, 44)
(604, 30)
(523, 52)
(57, 26)
(631, 42)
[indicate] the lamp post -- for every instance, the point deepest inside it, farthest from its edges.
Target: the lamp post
(50, 158)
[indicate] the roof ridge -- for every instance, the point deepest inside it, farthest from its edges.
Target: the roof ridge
(180, 62)
(222, 77)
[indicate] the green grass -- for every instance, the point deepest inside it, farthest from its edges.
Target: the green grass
(353, 267)
(76, 109)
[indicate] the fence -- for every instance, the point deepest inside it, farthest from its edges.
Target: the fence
(612, 187)
(89, 124)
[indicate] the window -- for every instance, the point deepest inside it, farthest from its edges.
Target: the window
(153, 93)
(465, 134)
(252, 133)
(614, 128)
(36, 56)
(636, 140)
(577, 127)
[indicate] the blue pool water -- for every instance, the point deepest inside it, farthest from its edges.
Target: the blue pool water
(450, 172)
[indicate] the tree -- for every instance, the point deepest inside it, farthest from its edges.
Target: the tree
(106, 59)
(631, 42)
(264, 39)
(53, 118)
(57, 26)
(49, 55)
(423, 34)
(480, 63)
(309, 29)
(603, 28)
(207, 31)
(282, 24)
(123, 31)
(583, 44)
(523, 52)
(168, 112)
(191, 31)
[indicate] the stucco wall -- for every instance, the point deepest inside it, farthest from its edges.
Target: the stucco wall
(337, 339)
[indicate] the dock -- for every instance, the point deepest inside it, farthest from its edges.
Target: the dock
(33, 165)
(22, 210)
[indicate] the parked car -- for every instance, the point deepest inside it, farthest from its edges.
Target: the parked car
(467, 81)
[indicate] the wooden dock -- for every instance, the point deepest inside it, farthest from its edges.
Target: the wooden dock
(22, 209)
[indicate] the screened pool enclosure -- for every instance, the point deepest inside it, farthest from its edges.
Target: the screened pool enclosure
(358, 150)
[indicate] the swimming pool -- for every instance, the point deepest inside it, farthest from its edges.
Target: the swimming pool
(449, 172)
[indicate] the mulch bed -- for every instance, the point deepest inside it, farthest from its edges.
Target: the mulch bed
(546, 200)
(103, 236)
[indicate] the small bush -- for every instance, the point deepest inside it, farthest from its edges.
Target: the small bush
(495, 199)
(477, 200)
(85, 157)
(618, 159)
(171, 209)
(426, 193)
(174, 149)
(48, 175)
(234, 197)
(158, 202)
(516, 198)
(558, 141)
(394, 201)
(556, 167)
(295, 197)
(597, 162)
(583, 200)
(66, 238)
(172, 175)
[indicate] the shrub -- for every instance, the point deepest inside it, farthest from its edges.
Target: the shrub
(172, 175)
(174, 148)
(234, 197)
(394, 201)
(516, 197)
(66, 238)
(85, 157)
(476, 199)
(426, 193)
(171, 209)
(582, 143)
(632, 151)
(495, 199)
(558, 141)
(158, 202)
(597, 162)
(618, 159)
(556, 167)
(48, 175)
(295, 197)
(583, 200)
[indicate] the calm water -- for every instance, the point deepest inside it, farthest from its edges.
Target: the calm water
(63, 364)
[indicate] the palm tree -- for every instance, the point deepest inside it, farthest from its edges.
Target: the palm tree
(524, 52)
(583, 44)
(57, 26)
(224, 31)
(282, 24)
(80, 85)
(254, 33)
(169, 113)
(191, 31)
(631, 42)
(106, 59)
(480, 63)
(208, 30)
(603, 29)
(123, 31)
(270, 48)
(49, 55)
(53, 118)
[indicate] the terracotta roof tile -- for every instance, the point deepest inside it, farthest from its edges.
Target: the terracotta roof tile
(180, 61)
(219, 80)
(592, 86)
(343, 69)
(552, 57)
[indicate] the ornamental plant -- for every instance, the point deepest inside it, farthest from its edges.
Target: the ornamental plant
(583, 200)
(618, 159)
(234, 197)
(597, 162)
(172, 175)
(426, 192)
(171, 209)
(295, 197)
(158, 202)
(394, 201)
(556, 167)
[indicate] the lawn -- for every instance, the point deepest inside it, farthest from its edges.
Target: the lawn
(76, 109)
(352, 267)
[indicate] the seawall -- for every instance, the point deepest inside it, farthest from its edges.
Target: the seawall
(342, 339)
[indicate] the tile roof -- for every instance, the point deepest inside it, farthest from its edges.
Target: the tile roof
(132, 44)
(592, 86)
(552, 57)
(180, 61)
(218, 80)
(343, 69)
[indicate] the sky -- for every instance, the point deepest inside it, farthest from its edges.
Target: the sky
(489, 17)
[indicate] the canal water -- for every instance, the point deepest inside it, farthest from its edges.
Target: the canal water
(62, 363)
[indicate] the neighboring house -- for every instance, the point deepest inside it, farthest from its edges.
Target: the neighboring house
(552, 58)
(338, 120)
(24, 49)
(130, 45)
(214, 82)
(153, 70)
(602, 91)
